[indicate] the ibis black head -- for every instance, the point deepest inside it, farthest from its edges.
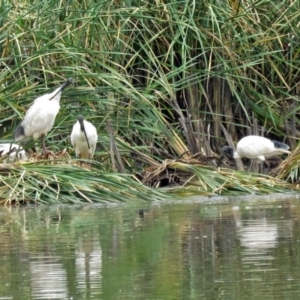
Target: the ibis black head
(64, 85)
(82, 128)
(19, 133)
(80, 120)
(225, 151)
(279, 145)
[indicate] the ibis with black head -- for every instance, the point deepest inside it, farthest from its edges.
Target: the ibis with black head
(254, 147)
(84, 138)
(40, 117)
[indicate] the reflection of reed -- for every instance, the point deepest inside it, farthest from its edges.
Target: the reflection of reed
(48, 278)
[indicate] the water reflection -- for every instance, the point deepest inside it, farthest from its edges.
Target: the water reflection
(259, 234)
(195, 251)
(88, 265)
(48, 278)
(260, 237)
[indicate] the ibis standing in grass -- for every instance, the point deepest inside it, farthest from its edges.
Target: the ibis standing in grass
(255, 148)
(40, 117)
(84, 138)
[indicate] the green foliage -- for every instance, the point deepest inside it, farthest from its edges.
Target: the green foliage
(165, 75)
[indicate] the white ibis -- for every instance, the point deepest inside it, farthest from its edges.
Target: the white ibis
(255, 148)
(84, 138)
(40, 117)
(14, 151)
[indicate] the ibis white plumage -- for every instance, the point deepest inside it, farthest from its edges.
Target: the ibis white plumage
(84, 138)
(14, 152)
(255, 148)
(40, 117)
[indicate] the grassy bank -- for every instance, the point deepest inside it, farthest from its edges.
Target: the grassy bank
(165, 84)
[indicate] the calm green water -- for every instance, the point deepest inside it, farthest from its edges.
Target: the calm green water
(210, 250)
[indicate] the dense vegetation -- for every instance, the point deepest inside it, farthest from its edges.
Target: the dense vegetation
(166, 83)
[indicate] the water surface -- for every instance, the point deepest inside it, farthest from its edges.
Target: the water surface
(211, 250)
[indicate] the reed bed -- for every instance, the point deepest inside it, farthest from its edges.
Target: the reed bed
(161, 81)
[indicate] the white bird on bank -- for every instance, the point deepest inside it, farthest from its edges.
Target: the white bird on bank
(255, 148)
(84, 138)
(14, 152)
(40, 117)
